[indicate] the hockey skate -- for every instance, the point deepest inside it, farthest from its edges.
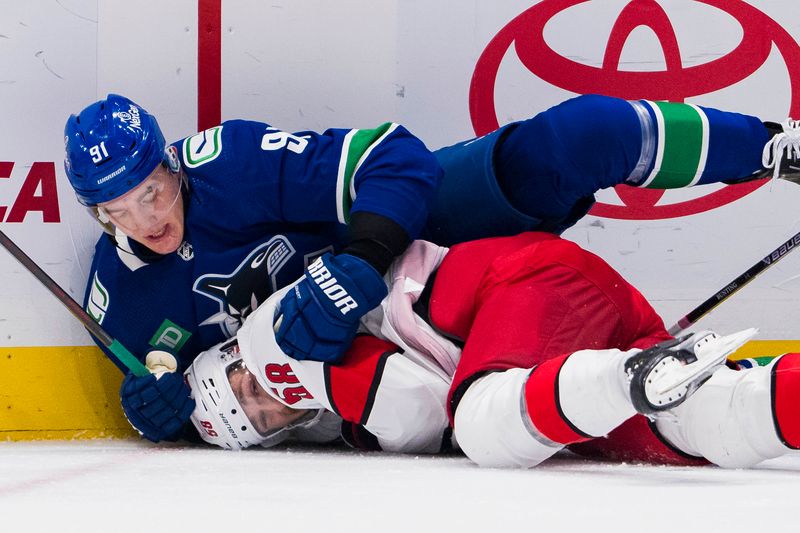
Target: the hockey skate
(663, 376)
(782, 151)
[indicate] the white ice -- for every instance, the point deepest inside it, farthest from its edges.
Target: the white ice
(125, 486)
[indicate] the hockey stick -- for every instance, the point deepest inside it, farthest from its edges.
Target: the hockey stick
(731, 288)
(120, 352)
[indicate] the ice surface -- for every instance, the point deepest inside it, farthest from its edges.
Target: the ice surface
(121, 486)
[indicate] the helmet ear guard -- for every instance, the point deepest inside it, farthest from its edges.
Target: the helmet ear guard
(100, 216)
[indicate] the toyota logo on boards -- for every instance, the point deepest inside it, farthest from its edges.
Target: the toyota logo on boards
(757, 38)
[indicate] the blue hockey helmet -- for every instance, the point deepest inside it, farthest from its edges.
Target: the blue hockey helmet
(111, 147)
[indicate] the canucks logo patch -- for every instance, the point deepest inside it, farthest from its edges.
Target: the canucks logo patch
(97, 306)
(253, 281)
(202, 147)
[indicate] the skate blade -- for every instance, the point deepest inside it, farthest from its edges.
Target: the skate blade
(710, 355)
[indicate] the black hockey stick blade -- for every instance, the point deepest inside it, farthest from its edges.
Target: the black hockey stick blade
(734, 286)
(121, 353)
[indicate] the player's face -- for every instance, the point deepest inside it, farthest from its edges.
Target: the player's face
(265, 412)
(152, 213)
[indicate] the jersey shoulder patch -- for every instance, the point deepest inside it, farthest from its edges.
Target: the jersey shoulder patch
(99, 299)
(202, 147)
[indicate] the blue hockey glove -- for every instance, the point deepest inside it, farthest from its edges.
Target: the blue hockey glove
(157, 405)
(319, 316)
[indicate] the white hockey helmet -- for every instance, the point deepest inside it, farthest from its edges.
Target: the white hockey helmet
(218, 416)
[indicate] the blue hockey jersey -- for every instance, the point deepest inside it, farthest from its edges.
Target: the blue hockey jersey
(261, 205)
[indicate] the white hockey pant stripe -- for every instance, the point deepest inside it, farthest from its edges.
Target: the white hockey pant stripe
(492, 427)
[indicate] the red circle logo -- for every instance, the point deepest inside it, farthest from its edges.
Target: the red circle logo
(675, 83)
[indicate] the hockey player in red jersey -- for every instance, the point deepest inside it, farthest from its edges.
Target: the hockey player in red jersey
(510, 348)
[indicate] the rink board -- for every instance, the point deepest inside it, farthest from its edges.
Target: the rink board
(59, 393)
(71, 392)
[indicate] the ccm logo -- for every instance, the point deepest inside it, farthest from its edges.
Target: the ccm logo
(322, 277)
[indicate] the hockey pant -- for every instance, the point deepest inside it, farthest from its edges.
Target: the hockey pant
(542, 173)
(546, 332)
(737, 419)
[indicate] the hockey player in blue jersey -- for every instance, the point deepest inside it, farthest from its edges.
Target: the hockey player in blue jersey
(202, 231)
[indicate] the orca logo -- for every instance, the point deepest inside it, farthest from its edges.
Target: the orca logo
(251, 283)
(524, 36)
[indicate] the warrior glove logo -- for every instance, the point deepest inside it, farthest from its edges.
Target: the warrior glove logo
(325, 281)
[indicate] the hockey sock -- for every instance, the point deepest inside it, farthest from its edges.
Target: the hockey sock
(553, 163)
(685, 145)
(786, 399)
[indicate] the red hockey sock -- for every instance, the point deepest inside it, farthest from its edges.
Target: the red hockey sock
(544, 410)
(786, 399)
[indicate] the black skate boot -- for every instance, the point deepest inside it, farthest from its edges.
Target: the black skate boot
(664, 375)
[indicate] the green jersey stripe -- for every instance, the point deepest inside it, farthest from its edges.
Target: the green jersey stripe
(701, 164)
(682, 145)
(342, 205)
(357, 146)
